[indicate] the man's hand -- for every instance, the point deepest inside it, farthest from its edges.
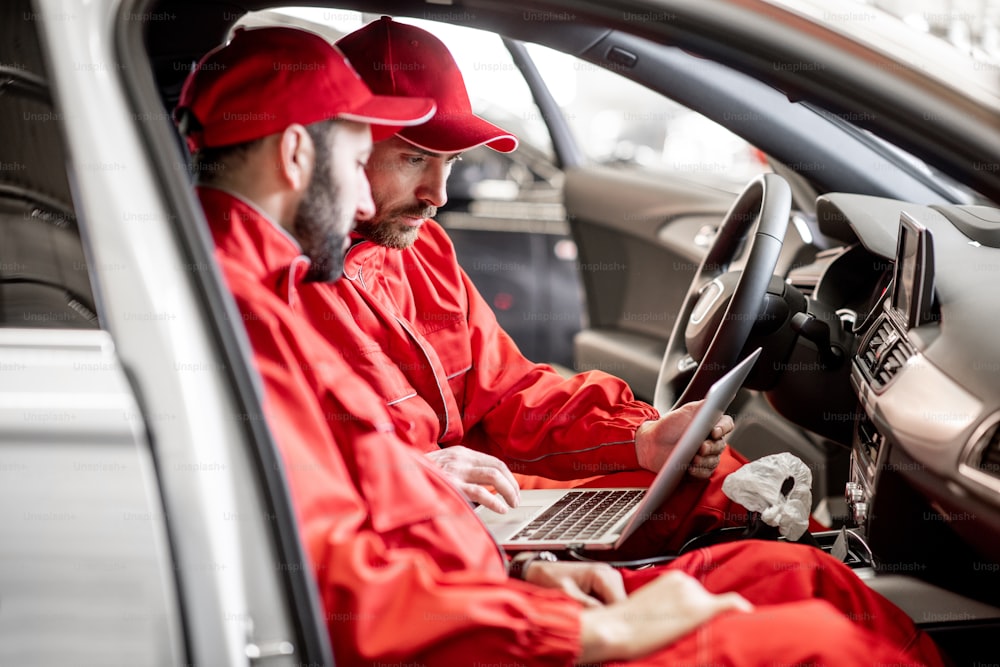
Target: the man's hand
(655, 439)
(654, 616)
(592, 584)
(472, 471)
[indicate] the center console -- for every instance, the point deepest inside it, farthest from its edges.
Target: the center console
(883, 351)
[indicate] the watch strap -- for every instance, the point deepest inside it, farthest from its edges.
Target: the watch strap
(518, 565)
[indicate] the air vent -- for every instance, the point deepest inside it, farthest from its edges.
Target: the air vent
(807, 288)
(885, 353)
(989, 461)
(804, 279)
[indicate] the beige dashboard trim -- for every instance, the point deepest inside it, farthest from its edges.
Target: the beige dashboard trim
(926, 410)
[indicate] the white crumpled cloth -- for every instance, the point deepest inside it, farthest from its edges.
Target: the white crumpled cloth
(757, 486)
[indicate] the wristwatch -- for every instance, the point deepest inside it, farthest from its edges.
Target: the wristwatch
(518, 565)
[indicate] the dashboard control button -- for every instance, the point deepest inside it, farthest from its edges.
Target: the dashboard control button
(854, 493)
(860, 512)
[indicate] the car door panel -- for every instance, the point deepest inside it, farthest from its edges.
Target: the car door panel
(640, 238)
(520, 269)
(87, 576)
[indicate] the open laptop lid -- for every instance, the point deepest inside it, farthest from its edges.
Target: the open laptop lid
(719, 396)
(534, 502)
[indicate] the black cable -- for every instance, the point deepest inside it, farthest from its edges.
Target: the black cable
(637, 564)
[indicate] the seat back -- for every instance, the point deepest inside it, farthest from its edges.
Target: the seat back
(44, 280)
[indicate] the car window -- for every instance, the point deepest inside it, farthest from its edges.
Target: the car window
(618, 121)
(496, 87)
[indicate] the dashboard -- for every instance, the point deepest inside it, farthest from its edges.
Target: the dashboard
(925, 449)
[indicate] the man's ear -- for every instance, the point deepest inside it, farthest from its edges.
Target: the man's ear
(296, 157)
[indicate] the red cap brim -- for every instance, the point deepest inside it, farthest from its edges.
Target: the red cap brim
(458, 133)
(393, 111)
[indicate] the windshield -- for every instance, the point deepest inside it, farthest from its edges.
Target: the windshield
(957, 43)
(946, 186)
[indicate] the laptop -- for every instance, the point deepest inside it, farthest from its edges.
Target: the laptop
(604, 518)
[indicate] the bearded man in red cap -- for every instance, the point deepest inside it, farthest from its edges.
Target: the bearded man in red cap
(410, 322)
(407, 573)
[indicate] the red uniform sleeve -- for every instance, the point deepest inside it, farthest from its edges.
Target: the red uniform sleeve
(535, 420)
(405, 570)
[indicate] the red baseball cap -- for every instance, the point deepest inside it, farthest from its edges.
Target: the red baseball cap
(266, 79)
(400, 59)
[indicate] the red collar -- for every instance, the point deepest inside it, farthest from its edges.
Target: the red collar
(251, 243)
(363, 254)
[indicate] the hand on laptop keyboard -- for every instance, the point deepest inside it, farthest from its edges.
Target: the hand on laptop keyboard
(472, 472)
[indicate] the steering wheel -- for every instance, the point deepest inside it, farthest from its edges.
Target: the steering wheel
(722, 306)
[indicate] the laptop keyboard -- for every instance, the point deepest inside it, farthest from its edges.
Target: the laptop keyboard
(581, 516)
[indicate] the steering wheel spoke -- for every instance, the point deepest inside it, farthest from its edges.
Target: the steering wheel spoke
(686, 364)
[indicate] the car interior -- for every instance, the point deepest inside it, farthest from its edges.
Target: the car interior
(859, 263)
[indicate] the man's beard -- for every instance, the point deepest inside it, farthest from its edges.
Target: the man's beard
(389, 230)
(318, 224)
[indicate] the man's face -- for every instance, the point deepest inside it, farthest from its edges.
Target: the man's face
(338, 192)
(408, 186)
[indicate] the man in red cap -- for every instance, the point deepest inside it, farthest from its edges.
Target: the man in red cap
(314, 136)
(410, 322)
(405, 570)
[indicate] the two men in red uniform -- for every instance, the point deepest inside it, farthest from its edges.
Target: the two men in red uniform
(279, 123)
